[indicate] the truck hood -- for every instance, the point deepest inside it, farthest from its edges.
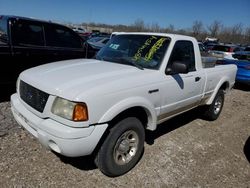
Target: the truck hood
(69, 79)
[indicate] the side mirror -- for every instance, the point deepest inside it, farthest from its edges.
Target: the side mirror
(177, 67)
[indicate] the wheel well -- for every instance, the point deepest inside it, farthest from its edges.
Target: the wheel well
(225, 86)
(138, 112)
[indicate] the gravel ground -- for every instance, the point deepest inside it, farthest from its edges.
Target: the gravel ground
(183, 152)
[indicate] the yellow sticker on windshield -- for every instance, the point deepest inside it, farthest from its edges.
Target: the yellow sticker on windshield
(148, 42)
(154, 48)
(149, 56)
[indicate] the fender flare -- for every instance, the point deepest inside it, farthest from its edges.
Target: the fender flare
(221, 82)
(130, 103)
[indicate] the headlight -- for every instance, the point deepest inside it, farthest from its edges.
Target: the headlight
(70, 110)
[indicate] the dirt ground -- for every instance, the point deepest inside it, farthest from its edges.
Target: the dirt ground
(184, 152)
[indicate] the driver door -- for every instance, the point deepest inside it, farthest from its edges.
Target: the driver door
(181, 91)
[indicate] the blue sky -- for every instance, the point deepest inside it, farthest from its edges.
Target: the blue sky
(179, 13)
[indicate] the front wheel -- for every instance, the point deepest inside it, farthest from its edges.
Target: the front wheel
(213, 111)
(122, 148)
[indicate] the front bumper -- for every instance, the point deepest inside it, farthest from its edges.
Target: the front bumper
(68, 141)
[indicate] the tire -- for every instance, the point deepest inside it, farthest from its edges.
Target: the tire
(213, 111)
(122, 148)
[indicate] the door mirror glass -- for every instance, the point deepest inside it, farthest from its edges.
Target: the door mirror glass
(177, 68)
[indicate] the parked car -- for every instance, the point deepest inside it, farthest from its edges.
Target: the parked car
(209, 44)
(85, 36)
(95, 44)
(224, 51)
(211, 39)
(79, 30)
(83, 33)
(26, 42)
(98, 42)
(203, 49)
(243, 72)
(243, 55)
(104, 105)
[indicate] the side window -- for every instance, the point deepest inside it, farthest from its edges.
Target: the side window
(4, 39)
(59, 36)
(26, 32)
(183, 51)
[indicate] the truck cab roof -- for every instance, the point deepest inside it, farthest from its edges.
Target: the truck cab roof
(173, 36)
(20, 17)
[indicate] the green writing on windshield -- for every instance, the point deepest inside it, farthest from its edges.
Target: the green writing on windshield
(154, 48)
(148, 42)
(150, 54)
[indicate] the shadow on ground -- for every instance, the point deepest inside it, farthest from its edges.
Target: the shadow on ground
(6, 91)
(247, 149)
(241, 86)
(87, 162)
(172, 124)
(82, 163)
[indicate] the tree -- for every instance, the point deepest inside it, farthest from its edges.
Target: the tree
(138, 25)
(247, 36)
(225, 34)
(170, 29)
(215, 28)
(197, 29)
(233, 34)
(237, 31)
(155, 27)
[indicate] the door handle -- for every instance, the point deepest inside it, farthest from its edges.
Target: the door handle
(153, 91)
(197, 78)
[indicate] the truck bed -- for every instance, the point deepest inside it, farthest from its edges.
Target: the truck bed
(208, 61)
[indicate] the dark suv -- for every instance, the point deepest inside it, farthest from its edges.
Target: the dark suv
(26, 43)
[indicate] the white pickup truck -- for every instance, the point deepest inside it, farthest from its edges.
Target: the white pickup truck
(103, 106)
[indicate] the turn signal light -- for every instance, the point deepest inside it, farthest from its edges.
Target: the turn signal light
(80, 112)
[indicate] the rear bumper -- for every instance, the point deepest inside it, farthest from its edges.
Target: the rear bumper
(68, 141)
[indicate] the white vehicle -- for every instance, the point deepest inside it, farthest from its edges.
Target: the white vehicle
(103, 106)
(224, 51)
(211, 39)
(79, 30)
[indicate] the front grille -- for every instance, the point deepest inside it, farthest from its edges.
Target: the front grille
(34, 97)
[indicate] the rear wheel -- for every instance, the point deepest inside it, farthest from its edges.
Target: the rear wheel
(122, 148)
(213, 111)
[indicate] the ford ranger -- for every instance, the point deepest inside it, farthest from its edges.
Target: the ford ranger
(103, 106)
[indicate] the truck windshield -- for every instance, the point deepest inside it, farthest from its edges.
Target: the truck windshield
(142, 51)
(3, 31)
